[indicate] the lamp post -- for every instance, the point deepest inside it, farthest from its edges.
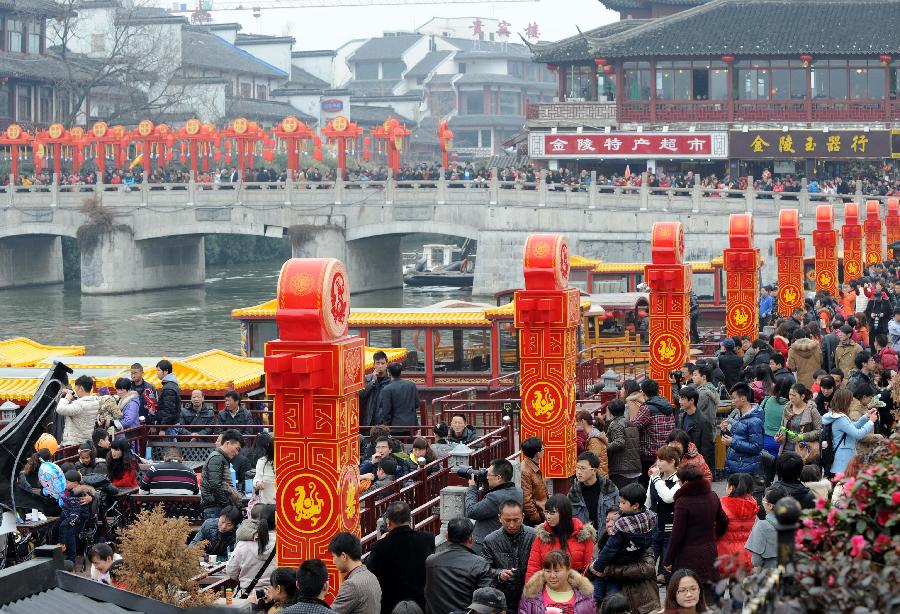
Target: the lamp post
(294, 134)
(344, 133)
(14, 138)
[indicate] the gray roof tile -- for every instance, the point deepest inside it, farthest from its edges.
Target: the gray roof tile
(384, 48)
(206, 50)
(431, 61)
(578, 48)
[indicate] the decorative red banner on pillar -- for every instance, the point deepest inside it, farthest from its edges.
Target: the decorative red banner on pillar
(547, 316)
(852, 234)
(670, 281)
(874, 253)
(742, 278)
(314, 371)
(789, 249)
(892, 222)
(825, 242)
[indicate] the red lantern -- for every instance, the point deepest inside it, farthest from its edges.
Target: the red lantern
(807, 60)
(268, 155)
(885, 59)
(609, 69)
(600, 61)
(551, 67)
(728, 59)
(317, 154)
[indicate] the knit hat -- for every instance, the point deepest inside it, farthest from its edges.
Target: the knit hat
(728, 343)
(488, 601)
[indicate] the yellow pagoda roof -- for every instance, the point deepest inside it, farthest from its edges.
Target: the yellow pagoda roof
(508, 311)
(263, 311)
(580, 262)
(638, 267)
(23, 352)
(470, 317)
(214, 370)
(393, 355)
(19, 384)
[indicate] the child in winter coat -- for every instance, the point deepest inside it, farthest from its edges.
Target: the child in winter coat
(741, 508)
(763, 540)
(73, 514)
(661, 500)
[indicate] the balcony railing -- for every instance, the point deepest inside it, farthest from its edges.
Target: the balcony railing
(574, 110)
(758, 110)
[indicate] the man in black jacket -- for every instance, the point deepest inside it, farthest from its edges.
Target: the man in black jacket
(507, 550)
(234, 415)
(696, 424)
(454, 572)
(398, 404)
(500, 489)
(215, 480)
(402, 543)
(369, 396)
(197, 417)
(168, 411)
(730, 363)
(788, 466)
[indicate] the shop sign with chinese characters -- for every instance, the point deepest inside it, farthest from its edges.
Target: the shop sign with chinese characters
(629, 145)
(835, 144)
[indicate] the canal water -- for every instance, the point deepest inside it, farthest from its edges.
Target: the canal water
(172, 322)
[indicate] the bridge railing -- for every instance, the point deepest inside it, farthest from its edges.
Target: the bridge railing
(479, 192)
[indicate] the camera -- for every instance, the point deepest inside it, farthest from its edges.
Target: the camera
(260, 594)
(676, 376)
(479, 475)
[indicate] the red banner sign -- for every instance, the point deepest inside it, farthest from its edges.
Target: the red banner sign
(633, 145)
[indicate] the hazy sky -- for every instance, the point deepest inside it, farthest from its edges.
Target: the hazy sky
(328, 28)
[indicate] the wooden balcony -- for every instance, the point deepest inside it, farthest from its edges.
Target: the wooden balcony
(741, 111)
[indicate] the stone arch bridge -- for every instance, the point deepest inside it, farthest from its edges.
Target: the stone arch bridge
(150, 236)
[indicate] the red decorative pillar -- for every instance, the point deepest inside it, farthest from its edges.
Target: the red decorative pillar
(852, 234)
(742, 286)
(314, 371)
(547, 317)
(670, 280)
(892, 222)
(789, 248)
(874, 253)
(825, 242)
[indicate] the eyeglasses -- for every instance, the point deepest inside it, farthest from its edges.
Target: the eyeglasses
(689, 590)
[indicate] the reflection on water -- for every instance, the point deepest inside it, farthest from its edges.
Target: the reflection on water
(174, 322)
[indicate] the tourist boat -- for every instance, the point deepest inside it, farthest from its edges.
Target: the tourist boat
(442, 265)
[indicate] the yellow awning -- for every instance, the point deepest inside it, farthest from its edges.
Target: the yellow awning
(580, 262)
(393, 355)
(23, 352)
(263, 311)
(19, 385)
(384, 318)
(508, 311)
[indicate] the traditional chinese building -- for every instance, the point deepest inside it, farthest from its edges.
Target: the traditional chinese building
(726, 86)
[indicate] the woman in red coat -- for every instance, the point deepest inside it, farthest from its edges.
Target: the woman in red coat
(561, 532)
(741, 508)
(698, 520)
(121, 468)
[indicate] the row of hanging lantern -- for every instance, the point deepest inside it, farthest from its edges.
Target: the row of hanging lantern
(197, 144)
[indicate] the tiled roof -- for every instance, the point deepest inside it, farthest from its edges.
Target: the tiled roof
(623, 5)
(23, 352)
(578, 48)
(262, 110)
(765, 28)
(206, 50)
(373, 87)
(34, 7)
(580, 262)
(261, 39)
(431, 61)
(384, 48)
(401, 318)
(472, 49)
(39, 67)
(370, 116)
(301, 79)
(59, 600)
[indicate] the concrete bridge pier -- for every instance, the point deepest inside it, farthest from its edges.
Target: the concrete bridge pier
(115, 263)
(373, 263)
(30, 260)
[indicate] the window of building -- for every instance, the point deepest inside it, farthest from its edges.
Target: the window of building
(15, 30)
(718, 83)
(366, 70)
(606, 87)
(485, 138)
(461, 68)
(465, 138)
(510, 103)
(673, 80)
(262, 92)
(34, 37)
(636, 82)
(457, 350)
(45, 105)
(894, 87)
(752, 80)
(246, 90)
(829, 79)
(392, 70)
(473, 102)
(98, 43)
(63, 106)
(579, 82)
(443, 103)
(24, 112)
(516, 69)
(5, 111)
(229, 89)
(866, 80)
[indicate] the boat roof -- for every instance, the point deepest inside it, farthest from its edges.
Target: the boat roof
(618, 300)
(214, 371)
(508, 311)
(582, 263)
(638, 267)
(25, 352)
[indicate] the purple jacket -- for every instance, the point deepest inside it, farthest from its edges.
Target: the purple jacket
(533, 596)
(130, 405)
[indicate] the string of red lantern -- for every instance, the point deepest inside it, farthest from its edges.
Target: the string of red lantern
(393, 133)
(445, 137)
(344, 133)
(15, 138)
(293, 133)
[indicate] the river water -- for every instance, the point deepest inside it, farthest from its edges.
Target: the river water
(173, 322)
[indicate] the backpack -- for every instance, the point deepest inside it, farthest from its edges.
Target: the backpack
(827, 450)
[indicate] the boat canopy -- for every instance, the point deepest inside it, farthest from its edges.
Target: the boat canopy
(24, 352)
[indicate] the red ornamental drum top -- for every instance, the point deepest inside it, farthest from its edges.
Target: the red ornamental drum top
(825, 217)
(851, 214)
(789, 223)
(313, 300)
(740, 230)
(546, 262)
(667, 243)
